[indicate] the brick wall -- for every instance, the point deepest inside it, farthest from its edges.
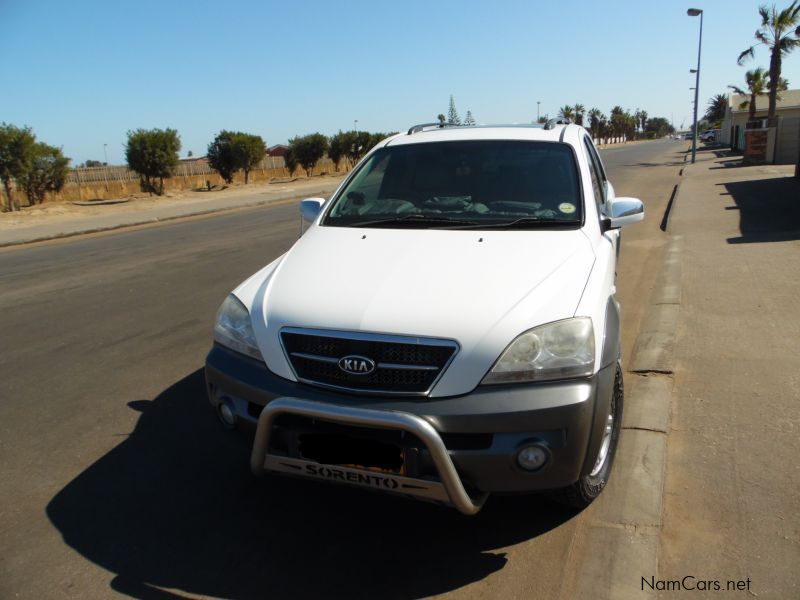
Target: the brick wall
(755, 147)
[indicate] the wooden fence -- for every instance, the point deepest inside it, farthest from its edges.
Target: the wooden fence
(186, 168)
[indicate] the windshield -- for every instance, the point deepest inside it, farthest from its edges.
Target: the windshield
(458, 185)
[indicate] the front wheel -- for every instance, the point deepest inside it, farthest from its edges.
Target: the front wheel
(581, 493)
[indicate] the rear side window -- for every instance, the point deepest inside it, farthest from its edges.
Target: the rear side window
(596, 172)
(488, 181)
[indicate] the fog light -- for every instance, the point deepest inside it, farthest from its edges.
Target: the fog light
(225, 413)
(532, 457)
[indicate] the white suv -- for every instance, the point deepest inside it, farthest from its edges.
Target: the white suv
(446, 328)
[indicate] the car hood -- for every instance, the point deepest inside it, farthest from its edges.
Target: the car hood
(481, 289)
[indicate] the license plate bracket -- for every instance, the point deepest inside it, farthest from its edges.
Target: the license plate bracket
(351, 451)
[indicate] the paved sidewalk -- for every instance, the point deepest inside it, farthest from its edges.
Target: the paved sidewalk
(22, 228)
(733, 474)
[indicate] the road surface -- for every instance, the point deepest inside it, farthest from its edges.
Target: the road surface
(115, 476)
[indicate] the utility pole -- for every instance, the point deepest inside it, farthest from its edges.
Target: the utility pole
(694, 12)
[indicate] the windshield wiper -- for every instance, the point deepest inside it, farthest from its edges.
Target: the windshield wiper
(415, 219)
(527, 222)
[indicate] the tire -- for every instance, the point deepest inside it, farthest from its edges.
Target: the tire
(581, 493)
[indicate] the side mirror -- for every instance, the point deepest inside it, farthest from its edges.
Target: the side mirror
(310, 208)
(622, 212)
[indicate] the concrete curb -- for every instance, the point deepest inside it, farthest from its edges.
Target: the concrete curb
(626, 527)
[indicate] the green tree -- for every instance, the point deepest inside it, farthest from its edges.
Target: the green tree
(153, 154)
(617, 122)
(308, 149)
(595, 117)
(631, 126)
(757, 85)
(579, 110)
(452, 113)
(715, 111)
(566, 112)
(336, 148)
(780, 33)
(47, 173)
(355, 144)
(251, 150)
(658, 127)
(442, 119)
(222, 155)
(374, 140)
(543, 119)
(189, 154)
(640, 116)
(469, 119)
(16, 155)
(290, 161)
(92, 163)
(233, 151)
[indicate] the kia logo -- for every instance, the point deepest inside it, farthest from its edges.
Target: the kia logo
(357, 365)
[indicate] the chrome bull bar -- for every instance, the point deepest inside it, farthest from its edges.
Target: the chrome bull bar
(450, 489)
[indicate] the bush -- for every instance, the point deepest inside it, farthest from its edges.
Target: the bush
(48, 173)
(308, 149)
(153, 154)
(233, 151)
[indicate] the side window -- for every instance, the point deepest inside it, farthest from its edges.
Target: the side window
(596, 175)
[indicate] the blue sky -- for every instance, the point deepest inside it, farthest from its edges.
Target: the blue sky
(83, 73)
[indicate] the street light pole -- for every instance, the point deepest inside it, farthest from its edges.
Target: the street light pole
(355, 125)
(105, 152)
(537, 110)
(693, 12)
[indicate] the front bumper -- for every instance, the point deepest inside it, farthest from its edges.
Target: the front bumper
(469, 441)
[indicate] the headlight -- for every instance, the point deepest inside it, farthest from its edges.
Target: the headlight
(557, 350)
(234, 329)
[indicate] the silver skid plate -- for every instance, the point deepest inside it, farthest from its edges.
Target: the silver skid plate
(384, 482)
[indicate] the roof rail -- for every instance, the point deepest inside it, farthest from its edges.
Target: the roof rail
(422, 126)
(551, 123)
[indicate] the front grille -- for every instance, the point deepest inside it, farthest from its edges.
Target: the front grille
(402, 365)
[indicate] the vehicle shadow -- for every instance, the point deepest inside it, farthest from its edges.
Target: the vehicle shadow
(675, 163)
(769, 209)
(175, 507)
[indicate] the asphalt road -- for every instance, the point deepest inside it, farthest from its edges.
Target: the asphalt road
(115, 476)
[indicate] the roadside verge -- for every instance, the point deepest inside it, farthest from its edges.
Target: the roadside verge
(621, 537)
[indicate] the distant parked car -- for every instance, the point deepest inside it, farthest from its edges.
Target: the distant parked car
(689, 136)
(710, 135)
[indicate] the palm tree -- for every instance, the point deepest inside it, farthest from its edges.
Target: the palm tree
(780, 33)
(579, 110)
(643, 119)
(716, 108)
(595, 118)
(631, 124)
(757, 84)
(566, 112)
(617, 122)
